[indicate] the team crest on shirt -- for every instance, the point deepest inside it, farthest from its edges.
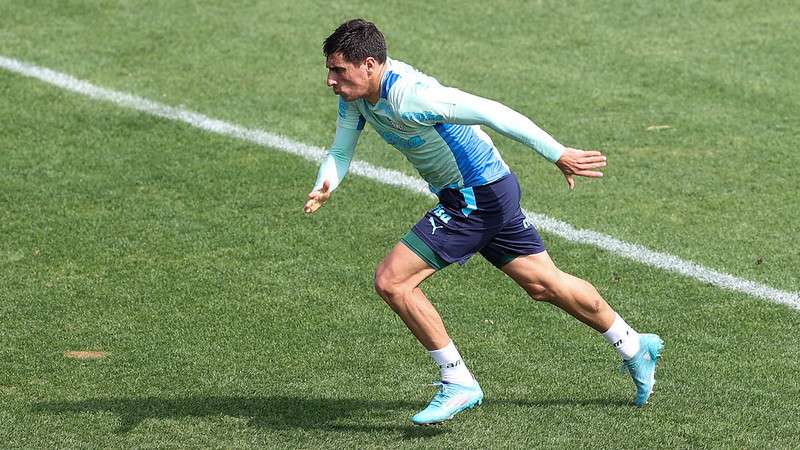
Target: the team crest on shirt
(385, 111)
(396, 125)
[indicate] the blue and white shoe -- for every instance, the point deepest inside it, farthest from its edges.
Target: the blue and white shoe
(642, 366)
(450, 400)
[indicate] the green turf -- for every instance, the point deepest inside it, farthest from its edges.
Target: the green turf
(232, 320)
(712, 188)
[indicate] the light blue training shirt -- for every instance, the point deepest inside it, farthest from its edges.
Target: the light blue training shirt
(436, 128)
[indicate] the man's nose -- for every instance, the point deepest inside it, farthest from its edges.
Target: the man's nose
(330, 81)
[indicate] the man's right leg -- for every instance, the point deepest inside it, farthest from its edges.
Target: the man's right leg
(397, 282)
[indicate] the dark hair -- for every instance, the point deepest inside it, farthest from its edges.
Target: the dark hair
(356, 40)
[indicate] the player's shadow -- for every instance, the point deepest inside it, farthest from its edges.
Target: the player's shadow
(599, 402)
(348, 415)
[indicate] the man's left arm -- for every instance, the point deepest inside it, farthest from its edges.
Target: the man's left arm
(450, 105)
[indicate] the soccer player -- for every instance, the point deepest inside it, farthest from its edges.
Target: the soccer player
(437, 128)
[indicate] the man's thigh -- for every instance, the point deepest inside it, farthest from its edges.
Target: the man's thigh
(533, 269)
(403, 266)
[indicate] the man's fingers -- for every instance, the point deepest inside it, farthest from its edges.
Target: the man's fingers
(593, 165)
(580, 162)
(592, 159)
(589, 173)
(326, 186)
(317, 198)
(311, 206)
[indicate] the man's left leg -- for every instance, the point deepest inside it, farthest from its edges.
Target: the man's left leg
(542, 280)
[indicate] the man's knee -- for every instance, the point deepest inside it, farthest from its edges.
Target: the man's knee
(548, 288)
(539, 292)
(564, 288)
(386, 286)
(399, 274)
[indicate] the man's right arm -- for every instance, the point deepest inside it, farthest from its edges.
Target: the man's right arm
(335, 166)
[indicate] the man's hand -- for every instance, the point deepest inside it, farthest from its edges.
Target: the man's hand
(318, 198)
(579, 162)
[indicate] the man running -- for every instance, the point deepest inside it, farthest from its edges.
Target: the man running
(437, 128)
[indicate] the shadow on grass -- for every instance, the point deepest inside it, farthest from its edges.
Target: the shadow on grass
(347, 415)
(602, 402)
(279, 412)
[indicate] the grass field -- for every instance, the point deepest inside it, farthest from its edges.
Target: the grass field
(230, 319)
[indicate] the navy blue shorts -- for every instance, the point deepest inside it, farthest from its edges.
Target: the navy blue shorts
(485, 219)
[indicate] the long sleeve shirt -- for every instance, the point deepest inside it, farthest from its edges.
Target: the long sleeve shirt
(437, 129)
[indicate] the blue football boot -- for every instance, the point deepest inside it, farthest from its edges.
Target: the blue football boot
(642, 366)
(450, 400)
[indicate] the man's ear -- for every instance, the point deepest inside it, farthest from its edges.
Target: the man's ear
(371, 64)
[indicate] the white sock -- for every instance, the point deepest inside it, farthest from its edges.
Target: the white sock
(453, 368)
(624, 338)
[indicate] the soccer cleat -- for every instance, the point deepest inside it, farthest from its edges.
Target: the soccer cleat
(642, 366)
(450, 400)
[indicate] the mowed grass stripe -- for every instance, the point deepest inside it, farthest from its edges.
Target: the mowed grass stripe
(545, 223)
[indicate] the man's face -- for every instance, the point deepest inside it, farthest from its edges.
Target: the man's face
(350, 81)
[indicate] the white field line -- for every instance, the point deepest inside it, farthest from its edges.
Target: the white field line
(392, 177)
